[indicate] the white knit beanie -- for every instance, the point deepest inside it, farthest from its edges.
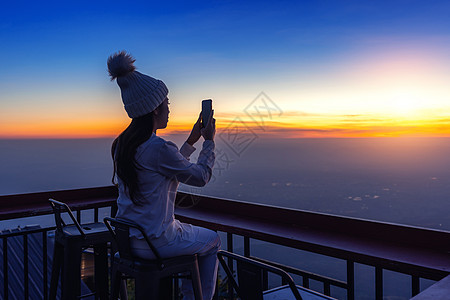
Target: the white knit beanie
(141, 94)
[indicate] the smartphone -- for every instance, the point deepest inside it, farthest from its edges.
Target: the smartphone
(206, 111)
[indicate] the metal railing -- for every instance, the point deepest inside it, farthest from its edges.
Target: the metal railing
(327, 282)
(7, 237)
(417, 252)
(35, 256)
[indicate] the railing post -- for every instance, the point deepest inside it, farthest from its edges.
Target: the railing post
(246, 246)
(305, 281)
(78, 215)
(96, 214)
(326, 288)
(378, 283)
(216, 293)
(265, 280)
(230, 263)
(350, 280)
(25, 266)
(415, 285)
(44, 263)
(114, 210)
(5, 268)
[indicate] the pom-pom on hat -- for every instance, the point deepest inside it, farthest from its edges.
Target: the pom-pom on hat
(141, 94)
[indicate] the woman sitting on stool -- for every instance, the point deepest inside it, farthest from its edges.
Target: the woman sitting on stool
(148, 170)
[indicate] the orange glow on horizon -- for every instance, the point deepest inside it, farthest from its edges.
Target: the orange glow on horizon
(313, 126)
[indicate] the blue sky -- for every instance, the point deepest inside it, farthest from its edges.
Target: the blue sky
(55, 51)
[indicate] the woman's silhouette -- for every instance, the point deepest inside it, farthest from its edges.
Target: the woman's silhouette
(148, 170)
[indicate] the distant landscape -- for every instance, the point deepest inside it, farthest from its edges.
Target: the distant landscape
(401, 180)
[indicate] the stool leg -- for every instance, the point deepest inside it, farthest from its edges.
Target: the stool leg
(116, 282)
(101, 271)
(72, 272)
(123, 290)
(165, 288)
(146, 287)
(196, 283)
(58, 252)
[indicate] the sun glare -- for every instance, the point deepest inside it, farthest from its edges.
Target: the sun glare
(405, 103)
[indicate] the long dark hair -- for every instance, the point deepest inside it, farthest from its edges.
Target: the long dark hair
(123, 152)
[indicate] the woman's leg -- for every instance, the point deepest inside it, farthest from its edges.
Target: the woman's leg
(192, 239)
(208, 272)
(206, 244)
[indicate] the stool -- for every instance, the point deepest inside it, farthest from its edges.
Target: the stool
(70, 240)
(148, 274)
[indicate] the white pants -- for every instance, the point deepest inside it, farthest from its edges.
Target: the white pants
(191, 239)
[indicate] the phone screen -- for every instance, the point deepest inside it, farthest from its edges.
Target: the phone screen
(206, 111)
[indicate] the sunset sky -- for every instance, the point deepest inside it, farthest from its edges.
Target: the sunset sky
(326, 68)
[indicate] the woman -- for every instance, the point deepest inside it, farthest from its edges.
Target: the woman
(148, 170)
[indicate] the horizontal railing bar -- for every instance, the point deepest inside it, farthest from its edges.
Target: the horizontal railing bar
(430, 275)
(34, 204)
(18, 231)
(310, 275)
(86, 295)
(24, 231)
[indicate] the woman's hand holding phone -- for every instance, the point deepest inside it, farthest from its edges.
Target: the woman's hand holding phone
(209, 131)
(195, 132)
